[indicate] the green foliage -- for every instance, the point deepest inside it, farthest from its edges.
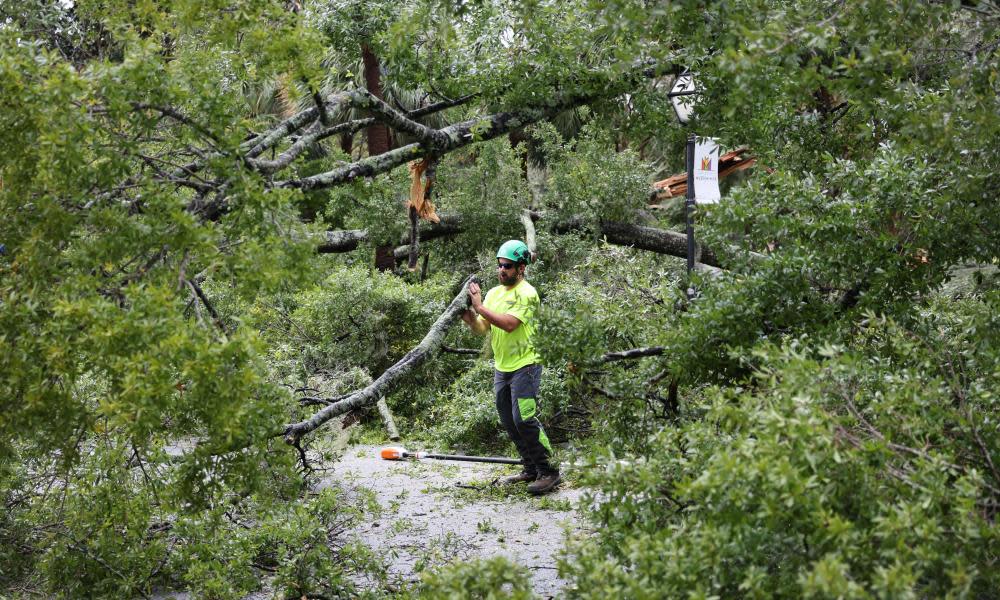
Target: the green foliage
(876, 212)
(833, 472)
(486, 186)
(611, 300)
(362, 318)
(292, 540)
(350, 23)
(820, 422)
(513, 52)
(483, 578)
(464, 416)
(377, 204)
(595, 305)
(588, 182)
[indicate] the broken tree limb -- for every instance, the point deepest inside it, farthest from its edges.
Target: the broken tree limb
(347, 240)
(293, 432)
(652, 239)
(470, 351)
(675, 186)
(662, 241)
(633, 353)
(390, 423)
(413, 249)
(422, 175)
(450, 138)
(529, 234)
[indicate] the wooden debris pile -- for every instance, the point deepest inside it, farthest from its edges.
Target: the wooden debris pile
(675, 186)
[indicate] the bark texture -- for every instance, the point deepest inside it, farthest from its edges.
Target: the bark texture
(347, 240)
(392, 376)
(633, 353)
(652, 239)
(378, 134)
(390, 423)
(662, 241)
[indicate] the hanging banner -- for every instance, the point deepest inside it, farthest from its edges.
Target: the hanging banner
(706, 171)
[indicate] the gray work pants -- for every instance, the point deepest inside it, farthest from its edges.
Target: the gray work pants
(517, 404)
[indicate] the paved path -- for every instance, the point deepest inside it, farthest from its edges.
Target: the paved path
(428, 520)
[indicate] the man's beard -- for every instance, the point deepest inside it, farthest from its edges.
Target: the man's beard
(508, 277)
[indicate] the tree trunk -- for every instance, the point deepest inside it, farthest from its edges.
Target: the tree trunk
(385, 260)
(378, 135)
(379, 141)
(347, 143)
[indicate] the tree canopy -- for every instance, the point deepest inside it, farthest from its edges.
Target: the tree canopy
(194, 197)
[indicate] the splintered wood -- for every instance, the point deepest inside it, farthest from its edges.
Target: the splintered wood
(420, 189)
(676, 185)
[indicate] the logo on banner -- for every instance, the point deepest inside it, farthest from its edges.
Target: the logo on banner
(706, 179)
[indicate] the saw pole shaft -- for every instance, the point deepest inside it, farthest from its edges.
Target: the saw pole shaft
(483, 459)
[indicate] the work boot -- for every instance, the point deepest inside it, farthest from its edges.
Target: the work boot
(522, 477)
(544, 484)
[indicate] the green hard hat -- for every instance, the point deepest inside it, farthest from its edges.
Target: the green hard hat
(515, 250)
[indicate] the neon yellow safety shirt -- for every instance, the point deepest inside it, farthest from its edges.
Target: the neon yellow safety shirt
(513, 350)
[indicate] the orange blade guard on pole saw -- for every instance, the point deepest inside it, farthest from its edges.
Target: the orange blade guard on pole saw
(393, 453)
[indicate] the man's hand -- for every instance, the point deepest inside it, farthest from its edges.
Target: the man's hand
(506, 322)
(475, 295)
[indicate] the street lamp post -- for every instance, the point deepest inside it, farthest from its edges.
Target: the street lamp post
(684, 86)
(689, 201)
(680, 95)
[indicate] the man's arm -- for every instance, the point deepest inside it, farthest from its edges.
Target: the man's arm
(470, 317)
(476, 324)
(506, 322)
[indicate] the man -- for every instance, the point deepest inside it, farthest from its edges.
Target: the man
(508, 312)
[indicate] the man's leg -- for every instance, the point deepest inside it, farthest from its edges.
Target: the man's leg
(524, 391)
(506, 410)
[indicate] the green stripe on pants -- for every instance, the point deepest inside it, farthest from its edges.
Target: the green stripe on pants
(526, 407)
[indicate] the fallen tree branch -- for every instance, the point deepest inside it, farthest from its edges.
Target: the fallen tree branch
(387, 381)
(344, 240)
(390, 423)
(258, 145)
(363, 99)
(470, 351)
(445, 140)
(431, 141)
(661, 241)
(284, 159)
(347, 240)
(367, 167)
(449, 225)
(633, 353)
(529, 234)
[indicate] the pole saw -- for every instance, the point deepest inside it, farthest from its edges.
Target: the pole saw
(395, 453)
